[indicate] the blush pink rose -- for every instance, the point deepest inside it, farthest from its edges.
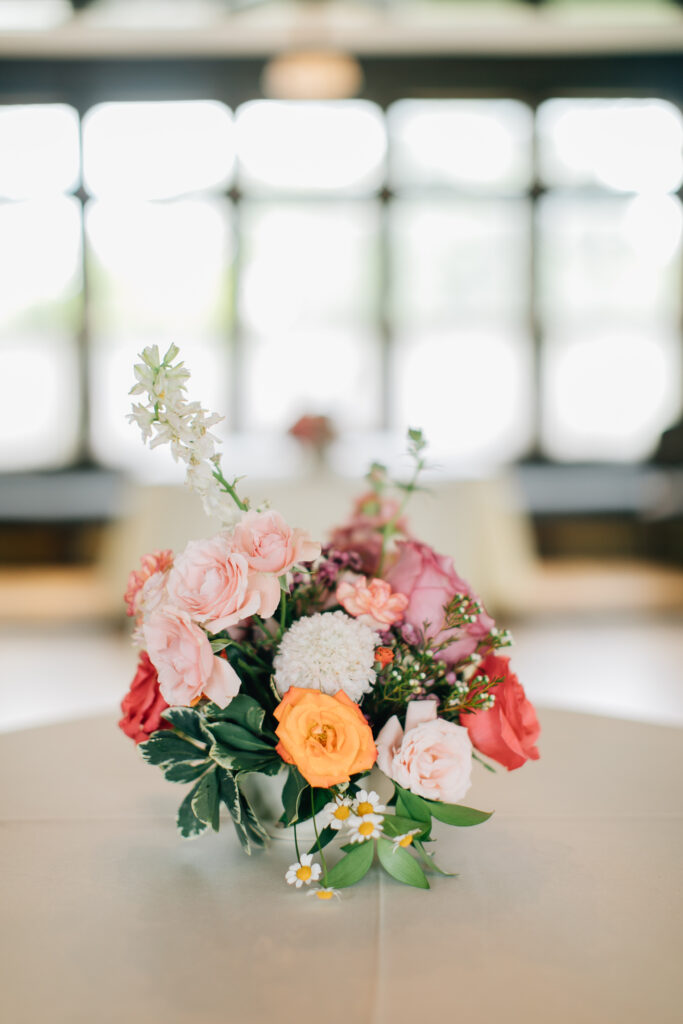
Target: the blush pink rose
(373, 603)
(212, 583)
(187, 667)
(507, 732)
(143, 704)
(157, 562)
(270, 545)
(430, 581)
(432, 757)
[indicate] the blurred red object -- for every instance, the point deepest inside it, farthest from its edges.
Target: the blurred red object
(316, 431)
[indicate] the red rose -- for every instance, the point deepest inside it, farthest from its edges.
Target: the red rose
(508, 731)
(143, 704)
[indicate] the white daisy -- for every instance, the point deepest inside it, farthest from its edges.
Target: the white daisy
(336, 813)
(328, 651)
(367, 803)
(325, 893)
(367, 827)
(303, 872)
(405, 840)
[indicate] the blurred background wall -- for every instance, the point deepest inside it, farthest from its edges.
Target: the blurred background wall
(460, 216)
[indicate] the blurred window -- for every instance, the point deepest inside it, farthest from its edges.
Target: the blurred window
(508, 278)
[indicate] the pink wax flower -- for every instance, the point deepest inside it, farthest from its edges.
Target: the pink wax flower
(187, 667)
(212, 583)
(270, 545)
(143, 704)
(508, 731)
(430, 581)
(432, 757)
(157, 562)
(373, 603)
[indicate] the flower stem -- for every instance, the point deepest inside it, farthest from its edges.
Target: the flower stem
(230, 489)
(296, 846)
(320, 849)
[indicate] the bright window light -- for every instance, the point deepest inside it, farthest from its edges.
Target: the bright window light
(469, 390)
(157, 150)
(40, 259)
(39, 150)
(33, 15)
(609, 394)
(304, 264)
(160, 267)
(627, 145)
(480, 145)
(40, 410)
(336, 147)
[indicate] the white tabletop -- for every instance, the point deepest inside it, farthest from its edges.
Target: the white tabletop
(567, 906)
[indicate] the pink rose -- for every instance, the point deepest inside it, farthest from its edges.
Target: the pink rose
(143, 704)
(187, 667)
(157, 562)
(212, 583)
(432, 758)
(363, 531)
(508, 731)
(270, 545)
(430, 582)
(373, 603)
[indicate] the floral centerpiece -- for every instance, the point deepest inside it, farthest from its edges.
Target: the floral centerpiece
(263, 653)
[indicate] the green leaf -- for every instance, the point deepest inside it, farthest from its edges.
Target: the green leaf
(408, 805)
(428, 860)
(184, 771)
(244, 711)
(189, 824)
(165, 747)
(188, 722)
(395, 825)
(219, 645)
(205, 802)
(236, 737)
(253, 826)
(265, 761)
(400, 865)
(292, 792)
(325, 837)
(229, 793)
(456, 814)
(352, 867)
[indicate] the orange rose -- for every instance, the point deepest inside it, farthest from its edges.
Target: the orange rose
(327, 738)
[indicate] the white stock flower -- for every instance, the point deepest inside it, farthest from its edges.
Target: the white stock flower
(329, 652)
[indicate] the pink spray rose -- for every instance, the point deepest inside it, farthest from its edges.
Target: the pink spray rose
(432, 758)
(157, 562)
(143, 704)
(373, 603)
(270, 545)
(187, 667)
(508, 731)
(430, 582)
(212, 583)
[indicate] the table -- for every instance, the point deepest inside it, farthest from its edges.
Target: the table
(567, 906)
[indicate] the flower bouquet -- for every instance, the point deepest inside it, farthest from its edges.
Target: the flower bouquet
(265, 654)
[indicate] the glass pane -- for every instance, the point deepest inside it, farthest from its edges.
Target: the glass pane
(308, 264)
(616, 256)
(115, 441)
(629, 145)
(470, 390)
(40, 263)
(39, 150)
(458, 259)
(609, 394)
(299, 147)
(160, 267)
(39, 412)
(482, 145)
(157, 150)
(326, 371)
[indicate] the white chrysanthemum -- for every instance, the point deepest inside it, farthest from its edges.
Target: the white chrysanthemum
(328, 651)
(334, 814)
(303, 872)
(367, 827)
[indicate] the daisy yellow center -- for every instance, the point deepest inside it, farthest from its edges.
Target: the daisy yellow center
(406, 841)
(342, 812)
(323, 894)
(366, 829)
(304, 873)
(365, 808)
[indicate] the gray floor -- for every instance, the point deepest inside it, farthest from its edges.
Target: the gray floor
(627, 668)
